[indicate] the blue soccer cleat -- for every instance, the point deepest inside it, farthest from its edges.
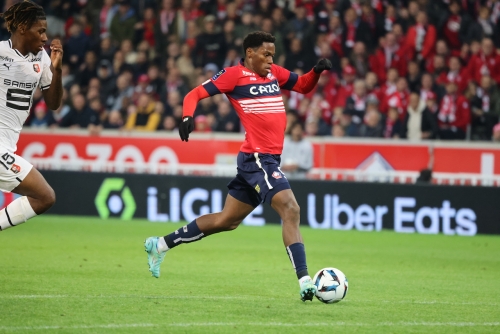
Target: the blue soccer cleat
(155, 258)
(307, 290)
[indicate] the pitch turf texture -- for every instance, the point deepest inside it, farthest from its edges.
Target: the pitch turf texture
(86, 275)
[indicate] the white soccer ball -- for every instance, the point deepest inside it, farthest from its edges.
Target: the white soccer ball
(331, 285)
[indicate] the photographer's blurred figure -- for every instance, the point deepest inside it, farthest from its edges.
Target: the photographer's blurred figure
(297, 156)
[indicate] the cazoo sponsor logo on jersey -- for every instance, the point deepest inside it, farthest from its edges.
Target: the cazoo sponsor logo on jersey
(256, 90)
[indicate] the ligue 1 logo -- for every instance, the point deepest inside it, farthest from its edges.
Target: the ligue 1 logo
(36, 68)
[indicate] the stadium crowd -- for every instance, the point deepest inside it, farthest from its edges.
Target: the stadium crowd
(414, 69)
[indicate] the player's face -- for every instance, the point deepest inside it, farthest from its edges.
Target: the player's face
(262, 59)
(36, 36)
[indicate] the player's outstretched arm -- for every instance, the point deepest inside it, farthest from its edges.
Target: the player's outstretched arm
(190, 101)
(53, 95)
(305, 83)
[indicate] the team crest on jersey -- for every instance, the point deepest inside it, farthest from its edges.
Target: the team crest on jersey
(276, 175)
(270, 76)
(36, 68)
(215, 77)
(15, 169)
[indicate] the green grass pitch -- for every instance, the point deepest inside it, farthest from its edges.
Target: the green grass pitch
(86, 275)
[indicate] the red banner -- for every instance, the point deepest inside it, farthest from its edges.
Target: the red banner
(328, 153)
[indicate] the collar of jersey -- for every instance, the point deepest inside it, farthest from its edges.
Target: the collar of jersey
(17, 51)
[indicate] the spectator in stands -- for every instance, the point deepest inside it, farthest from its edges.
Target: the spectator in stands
(388, 55)
(359, 59)
(226, 118)
(114, 120)
(345, 86)
(42, 116)
(88, 69)
(483, 27)
(106, 14)
(398, 99)
(485, 107)
(210, 45)
(455, 73)
(80, 115)
(454, 114)
(355, 104)
(299, 27)
(485, 62)
(375, 21)
(393, 125)
(145, 117)
(122, 25)
(454, 26)
(355, 30)
(421, 39)
(123, 91)
(76, 46)
(419, 121)
(244, 28)
(297, 156)
(372, 126)
(298, 57)
(312, 126)
(106, 50)
(431, 103)
(202, 124)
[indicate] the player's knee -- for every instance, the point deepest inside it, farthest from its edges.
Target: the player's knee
(292, 212)
(228, 224)
(48, 199)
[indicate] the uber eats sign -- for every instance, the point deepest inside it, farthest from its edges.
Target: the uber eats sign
(427, 209)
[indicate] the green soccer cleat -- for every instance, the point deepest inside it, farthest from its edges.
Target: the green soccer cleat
(155, 258)
(307, 290)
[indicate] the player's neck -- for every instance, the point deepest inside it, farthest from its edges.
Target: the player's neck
(247, 64)
(16, 44)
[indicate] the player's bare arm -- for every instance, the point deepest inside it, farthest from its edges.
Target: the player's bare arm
(53, 95)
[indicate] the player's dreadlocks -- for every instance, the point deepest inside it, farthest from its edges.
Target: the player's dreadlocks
(255, 39)
(24, 13)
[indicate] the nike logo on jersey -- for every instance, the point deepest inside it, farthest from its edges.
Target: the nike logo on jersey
(8, 66)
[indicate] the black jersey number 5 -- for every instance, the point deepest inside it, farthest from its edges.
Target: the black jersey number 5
(18, 95)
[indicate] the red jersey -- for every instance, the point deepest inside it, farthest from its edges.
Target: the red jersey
(258, 102)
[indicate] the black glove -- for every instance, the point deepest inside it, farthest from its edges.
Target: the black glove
(186, 127)
(323, 64)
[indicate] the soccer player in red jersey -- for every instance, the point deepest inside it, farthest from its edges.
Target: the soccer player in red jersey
(254, 89)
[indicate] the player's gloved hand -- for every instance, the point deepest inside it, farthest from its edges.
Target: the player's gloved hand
(186, 127)
(322, 65)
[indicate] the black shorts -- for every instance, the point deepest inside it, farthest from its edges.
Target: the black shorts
(259, 178)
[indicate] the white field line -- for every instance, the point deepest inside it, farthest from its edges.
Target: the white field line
(258, 324)
(425, 302)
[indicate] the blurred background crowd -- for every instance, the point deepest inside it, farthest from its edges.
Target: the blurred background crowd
(420, 69)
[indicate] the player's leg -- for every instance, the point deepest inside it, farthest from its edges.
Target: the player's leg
(228, 219)
(286, 206)
(37, 196)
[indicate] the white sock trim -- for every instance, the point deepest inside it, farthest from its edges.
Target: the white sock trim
(16, 213)
(162, 245)
(304, 279)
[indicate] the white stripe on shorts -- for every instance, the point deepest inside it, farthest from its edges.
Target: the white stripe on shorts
(257, 160)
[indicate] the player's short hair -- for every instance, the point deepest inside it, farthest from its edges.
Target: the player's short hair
(255, 40)
(24, 13)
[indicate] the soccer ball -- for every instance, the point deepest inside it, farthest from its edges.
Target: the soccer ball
(331, 285)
